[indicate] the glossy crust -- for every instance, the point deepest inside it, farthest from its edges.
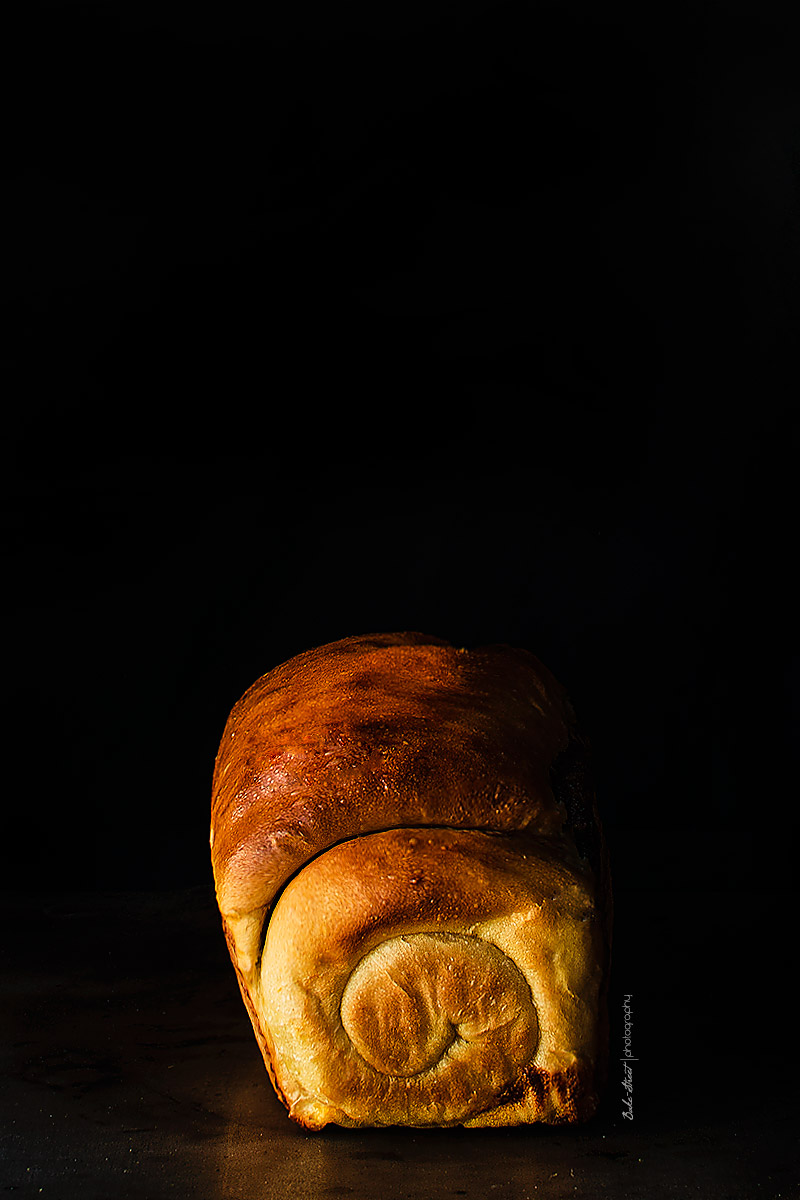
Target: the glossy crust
(409, 738)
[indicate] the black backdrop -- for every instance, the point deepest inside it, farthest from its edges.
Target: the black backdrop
(469, 318)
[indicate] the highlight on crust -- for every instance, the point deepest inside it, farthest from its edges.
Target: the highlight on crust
(414, 886)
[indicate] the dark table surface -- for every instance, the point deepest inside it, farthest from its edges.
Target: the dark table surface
(131, 1069)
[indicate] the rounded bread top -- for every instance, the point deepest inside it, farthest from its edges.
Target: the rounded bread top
(377, 732)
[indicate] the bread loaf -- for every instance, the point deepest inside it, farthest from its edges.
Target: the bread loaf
(414, 886)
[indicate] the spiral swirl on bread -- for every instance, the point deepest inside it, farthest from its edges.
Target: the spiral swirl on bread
(414, 886)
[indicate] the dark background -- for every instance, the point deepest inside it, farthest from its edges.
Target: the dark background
(471, 318)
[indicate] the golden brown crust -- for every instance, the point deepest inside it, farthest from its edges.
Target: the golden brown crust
(374, 732)
(375, 795)
(487, 941)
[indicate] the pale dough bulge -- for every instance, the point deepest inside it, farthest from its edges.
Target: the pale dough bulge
(416, 903)
(418, 998)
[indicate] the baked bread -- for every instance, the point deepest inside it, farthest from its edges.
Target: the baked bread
(414, 886)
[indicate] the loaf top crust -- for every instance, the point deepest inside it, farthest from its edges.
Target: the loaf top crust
(378, 732)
